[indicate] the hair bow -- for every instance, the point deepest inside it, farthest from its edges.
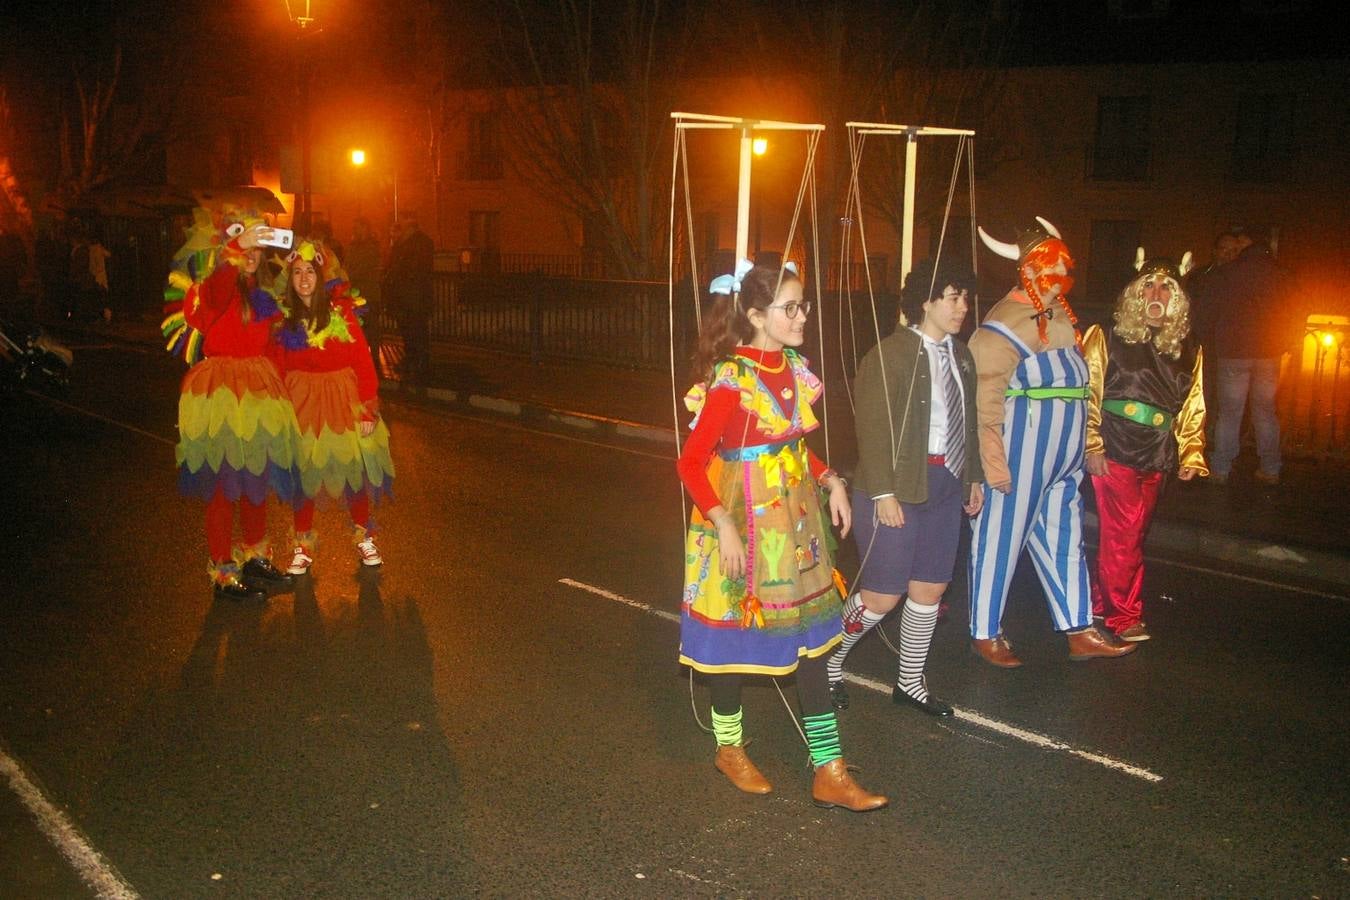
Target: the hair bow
(731, 284)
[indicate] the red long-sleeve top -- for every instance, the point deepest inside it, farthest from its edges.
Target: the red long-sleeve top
(215, 308)
(724, 422)
(336, 355)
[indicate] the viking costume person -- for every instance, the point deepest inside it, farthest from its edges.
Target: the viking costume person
(236, 427)
(1146, 417)
(1032, 407)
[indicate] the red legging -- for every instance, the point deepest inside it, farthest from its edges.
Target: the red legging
(1126, 499)
(357, 504)
(220, 524)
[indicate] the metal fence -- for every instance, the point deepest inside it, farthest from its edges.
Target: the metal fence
(623, 323)
(1314, 399)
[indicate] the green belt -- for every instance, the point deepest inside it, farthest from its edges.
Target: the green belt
(1049, 393)
(1139, 411)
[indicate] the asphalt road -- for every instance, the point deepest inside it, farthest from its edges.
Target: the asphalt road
(499, 712)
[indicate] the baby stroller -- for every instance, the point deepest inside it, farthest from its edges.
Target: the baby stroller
(30, 358)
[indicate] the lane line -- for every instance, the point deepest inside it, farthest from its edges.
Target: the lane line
(619, 598)
(102, 418)
(1036, 739)
(97, 873)
(1264, 582)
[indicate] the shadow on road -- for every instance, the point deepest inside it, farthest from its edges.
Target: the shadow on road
(300, 756)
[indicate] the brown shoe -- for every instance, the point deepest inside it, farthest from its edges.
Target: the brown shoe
(732, 762)
(834, 786)
(1134, 634)
(1091, 643)
(995, 651)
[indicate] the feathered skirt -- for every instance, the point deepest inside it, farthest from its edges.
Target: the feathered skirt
(789, 605)
(332, 458)
(237, 431)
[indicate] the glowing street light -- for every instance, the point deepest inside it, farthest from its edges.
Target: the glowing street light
(357, 157)
(760, 146)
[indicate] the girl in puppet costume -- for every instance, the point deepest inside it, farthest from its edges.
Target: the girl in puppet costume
(343, 449)
(236, 427)
(1146, 417)
(760, 595)
(1031, 401)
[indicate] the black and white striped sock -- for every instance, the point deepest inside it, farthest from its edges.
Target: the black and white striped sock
(858, 620)
(916, 634)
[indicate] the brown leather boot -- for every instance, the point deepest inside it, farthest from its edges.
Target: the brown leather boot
(834, 786)
(732, 762)
(1090, 643)
(995, 651)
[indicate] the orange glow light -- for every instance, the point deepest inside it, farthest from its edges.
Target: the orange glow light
(358, 157)
(1328, 340)
(760, 146)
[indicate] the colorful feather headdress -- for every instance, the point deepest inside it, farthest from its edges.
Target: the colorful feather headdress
(194, 261)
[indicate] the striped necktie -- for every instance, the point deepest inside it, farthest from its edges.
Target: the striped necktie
(956, 418)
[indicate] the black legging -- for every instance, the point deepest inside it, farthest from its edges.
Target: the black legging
(813, 689)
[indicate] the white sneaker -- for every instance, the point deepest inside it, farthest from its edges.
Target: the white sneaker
(300, 562)
(370, 554)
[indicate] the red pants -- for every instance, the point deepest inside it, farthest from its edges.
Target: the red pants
(220, 525)
(1126, 499)
(357, 504)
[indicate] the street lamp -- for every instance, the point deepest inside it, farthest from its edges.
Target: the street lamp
(358, 158)
(304, 23)
(759, 146)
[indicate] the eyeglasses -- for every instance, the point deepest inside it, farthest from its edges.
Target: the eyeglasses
(792, 309)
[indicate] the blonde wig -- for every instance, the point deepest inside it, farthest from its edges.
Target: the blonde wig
(1132, 325)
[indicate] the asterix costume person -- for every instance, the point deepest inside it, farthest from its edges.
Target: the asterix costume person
(1032, 407)
(1146, 418)
(236, 427)
(330, 377)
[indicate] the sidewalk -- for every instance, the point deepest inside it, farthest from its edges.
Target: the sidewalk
(1298, 531)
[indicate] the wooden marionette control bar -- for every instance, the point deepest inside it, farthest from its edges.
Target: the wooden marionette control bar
(747, 128)
(911, 168)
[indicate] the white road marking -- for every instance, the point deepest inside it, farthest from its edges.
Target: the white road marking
(1264, 582)
(1045, 742)
(96, 872)
(619, 598)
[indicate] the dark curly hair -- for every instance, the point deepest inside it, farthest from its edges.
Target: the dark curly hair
(927, 282)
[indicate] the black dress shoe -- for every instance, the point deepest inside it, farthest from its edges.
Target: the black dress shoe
(259, 572)
(838, 695)
(933, 706)
(236, 590)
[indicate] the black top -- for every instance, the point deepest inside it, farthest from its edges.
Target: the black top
(1140, 372)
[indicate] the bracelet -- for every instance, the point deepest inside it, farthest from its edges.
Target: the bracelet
(825, 476)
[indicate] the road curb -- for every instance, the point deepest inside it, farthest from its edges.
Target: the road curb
(534, 411)
(1326, 568)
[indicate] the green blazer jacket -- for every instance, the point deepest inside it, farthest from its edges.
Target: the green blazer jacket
(900, 404)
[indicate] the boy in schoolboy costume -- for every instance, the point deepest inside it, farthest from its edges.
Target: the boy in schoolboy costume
(918, 469)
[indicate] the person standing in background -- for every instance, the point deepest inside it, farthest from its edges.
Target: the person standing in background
(408, 287)
(363, 268)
